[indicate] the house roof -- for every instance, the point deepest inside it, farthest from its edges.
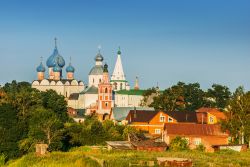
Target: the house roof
(74, 96)
(145, 116)
(120, 113)
(141, 115)
(183, 116)
(90, 90)
(213, 111)
(194, 129)
(131, 92)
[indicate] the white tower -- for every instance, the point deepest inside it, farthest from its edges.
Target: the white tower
(118, 79)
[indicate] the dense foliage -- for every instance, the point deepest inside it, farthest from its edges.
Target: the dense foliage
(178, 144)
(190, 97)
(28, 117)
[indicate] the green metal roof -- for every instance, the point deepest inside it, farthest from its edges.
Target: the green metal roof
(90, 90)
(118, 81)
(131, 92)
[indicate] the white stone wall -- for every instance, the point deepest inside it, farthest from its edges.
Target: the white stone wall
(128, 100)
(94, 80)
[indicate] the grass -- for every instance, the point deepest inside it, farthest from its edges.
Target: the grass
(87, 157)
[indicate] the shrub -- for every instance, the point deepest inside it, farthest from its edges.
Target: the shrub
(179, 143)
(200, 148)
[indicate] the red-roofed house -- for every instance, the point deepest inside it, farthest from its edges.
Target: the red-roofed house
(153, 121)
(196, 134)
(209, 115)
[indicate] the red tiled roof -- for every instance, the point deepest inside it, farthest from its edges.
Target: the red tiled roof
(140, 115)
(194, 129)
(213, 111)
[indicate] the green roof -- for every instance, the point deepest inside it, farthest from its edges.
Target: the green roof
(131, 92)
(118, 81)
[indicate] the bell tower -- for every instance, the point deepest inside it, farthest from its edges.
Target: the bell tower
(105, 101)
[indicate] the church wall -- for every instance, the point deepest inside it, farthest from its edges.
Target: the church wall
(128, 100)
(94, 80)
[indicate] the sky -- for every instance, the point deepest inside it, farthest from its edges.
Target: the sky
(162, 41)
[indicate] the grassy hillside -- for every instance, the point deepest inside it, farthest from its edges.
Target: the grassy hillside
(87, 157)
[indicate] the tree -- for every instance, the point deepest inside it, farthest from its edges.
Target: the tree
(10, 131)
(46, 127)
(180, 97)
(238, 112)
(51, 100)
(218, 96)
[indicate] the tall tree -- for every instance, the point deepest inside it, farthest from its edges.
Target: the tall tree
(238, 112)
(45, 127)
(218, 96)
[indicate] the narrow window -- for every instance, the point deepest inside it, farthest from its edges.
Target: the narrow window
(157, 131)
(162, 118)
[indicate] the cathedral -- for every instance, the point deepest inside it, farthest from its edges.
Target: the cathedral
(99, 96)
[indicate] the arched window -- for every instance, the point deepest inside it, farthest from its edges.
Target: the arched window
(115, 85)
(93, 80)
(106, 90)
(100, 80)
(106, 104)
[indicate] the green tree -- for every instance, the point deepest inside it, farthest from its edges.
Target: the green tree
(180, 97)
(238, 113)
(45, 127)
(10, 131)
(218, 96)
(51, 100)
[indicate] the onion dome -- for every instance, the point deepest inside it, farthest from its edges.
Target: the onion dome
(54, 58)
(40, 68)
(57, 68)
(99, 57)
(119, 51)
(70, 68)
(105, 69)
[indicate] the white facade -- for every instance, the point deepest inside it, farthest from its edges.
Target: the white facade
(118, 79)
(125, 100)
(62, 87)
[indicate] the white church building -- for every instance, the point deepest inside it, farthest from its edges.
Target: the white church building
(80, 96)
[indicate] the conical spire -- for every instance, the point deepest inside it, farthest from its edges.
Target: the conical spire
(118, 74)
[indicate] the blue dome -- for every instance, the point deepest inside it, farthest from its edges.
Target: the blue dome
(70, 68)
(40, 68)
(57, 68)
(52, 60)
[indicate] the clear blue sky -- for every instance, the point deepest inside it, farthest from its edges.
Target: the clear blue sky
(205, 41)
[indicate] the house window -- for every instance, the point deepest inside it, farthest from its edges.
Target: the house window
(211, 119)
(170, 119)
(157, 131)
(162, 118)
(197, 141)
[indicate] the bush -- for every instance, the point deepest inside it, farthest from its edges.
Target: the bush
(178, 144)
(200, 148)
